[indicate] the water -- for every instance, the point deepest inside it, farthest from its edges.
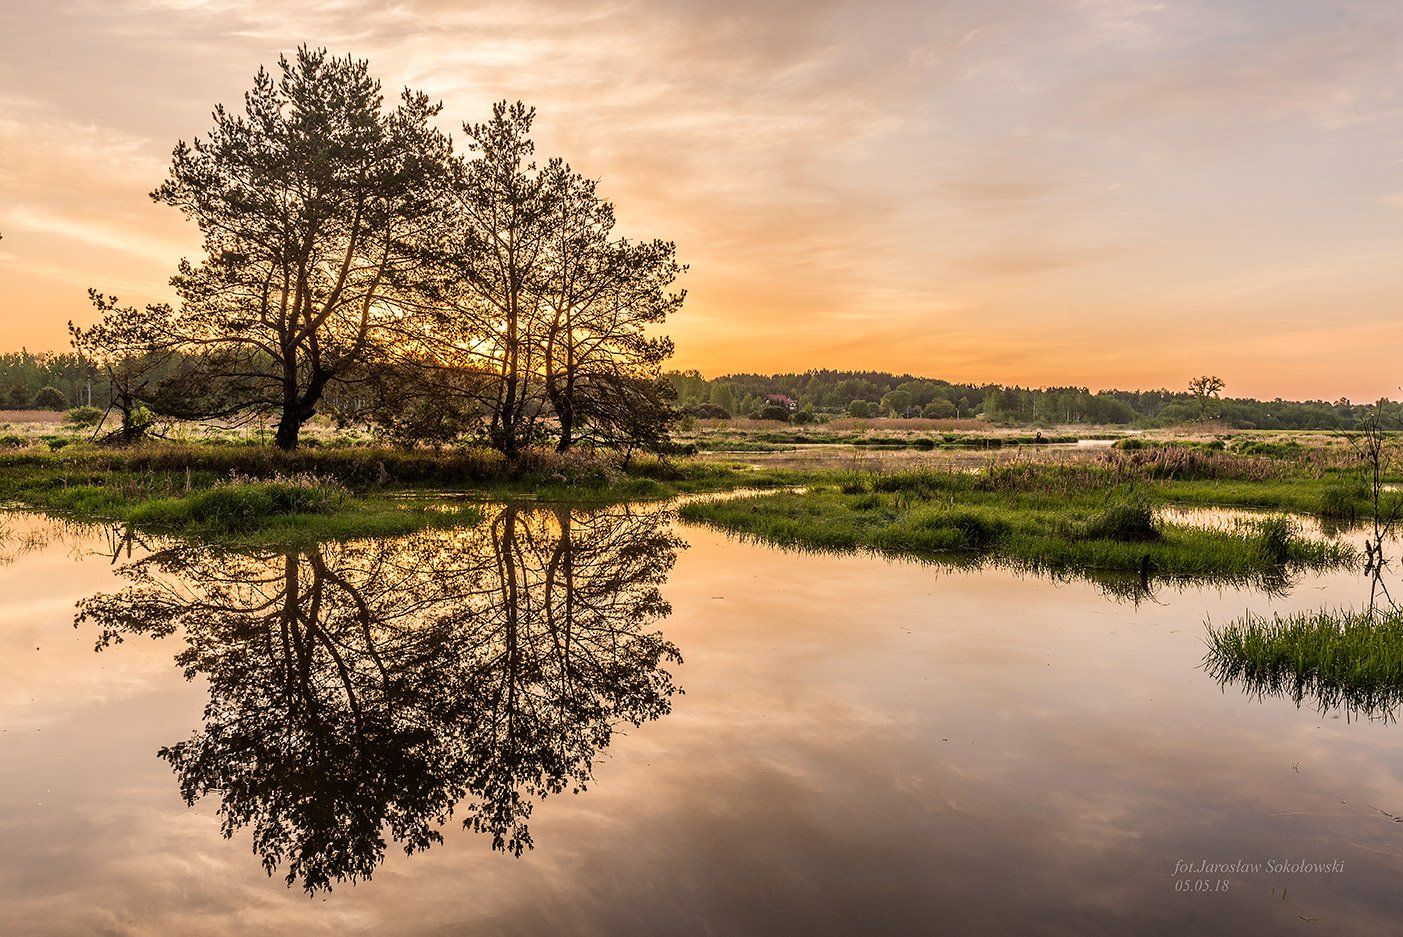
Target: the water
(859, 745)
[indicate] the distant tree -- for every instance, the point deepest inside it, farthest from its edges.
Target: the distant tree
(775, 412)
(50, 398)
(124, 345)
(962, 408)
(723, 395)
(1204, 390)
(858, 408)
(311, 204)
(896, 403)
(804, 416)
(938, 409)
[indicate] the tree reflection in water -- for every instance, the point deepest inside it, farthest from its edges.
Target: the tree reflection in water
(370, 689)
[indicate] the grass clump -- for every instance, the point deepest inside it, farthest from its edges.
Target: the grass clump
(1344, 500)
(242, 503)
(1127, 521)
(1335, 657)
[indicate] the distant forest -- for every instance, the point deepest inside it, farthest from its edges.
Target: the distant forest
(813, 394)
(43, 381)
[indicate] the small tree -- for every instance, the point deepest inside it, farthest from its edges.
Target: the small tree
(858, 408)
(602, 294)
(1205, 390)
(123, 347)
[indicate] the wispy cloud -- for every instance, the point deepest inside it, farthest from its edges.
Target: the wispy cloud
(852, 182)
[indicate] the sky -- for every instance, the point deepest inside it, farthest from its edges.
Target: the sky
(1108, 193)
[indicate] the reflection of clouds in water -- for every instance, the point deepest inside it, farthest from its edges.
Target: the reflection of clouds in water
(805, 785)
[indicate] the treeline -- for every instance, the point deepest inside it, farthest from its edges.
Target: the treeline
(818, 393)
(30, 381)
(357, 265)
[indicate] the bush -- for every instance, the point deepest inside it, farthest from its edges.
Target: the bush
(50, 398)
(859, 409)
(773, 412)
(709, 411)
(83, 416)
(804, 416)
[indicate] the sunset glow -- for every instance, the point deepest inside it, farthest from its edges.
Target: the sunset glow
(1101, 192)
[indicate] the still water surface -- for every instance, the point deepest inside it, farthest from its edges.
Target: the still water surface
(682, 733)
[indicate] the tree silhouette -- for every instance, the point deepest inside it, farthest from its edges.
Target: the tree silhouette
(359, 692)
(311, 204)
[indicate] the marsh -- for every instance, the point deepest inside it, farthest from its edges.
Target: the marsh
(606, 720)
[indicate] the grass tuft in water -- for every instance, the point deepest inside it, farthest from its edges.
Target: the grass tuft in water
(1335, 657)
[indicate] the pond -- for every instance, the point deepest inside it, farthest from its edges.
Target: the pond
(678, 732)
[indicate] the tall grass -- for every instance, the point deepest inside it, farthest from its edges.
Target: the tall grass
(1336, 657)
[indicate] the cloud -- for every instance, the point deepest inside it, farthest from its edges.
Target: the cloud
(902, 164)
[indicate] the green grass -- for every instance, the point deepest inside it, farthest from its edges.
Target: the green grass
(252, 494)
(937, 514)
(1083, 514)
(1337, 658)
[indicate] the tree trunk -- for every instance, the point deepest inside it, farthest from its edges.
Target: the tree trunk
(567, 426)
(289, 428)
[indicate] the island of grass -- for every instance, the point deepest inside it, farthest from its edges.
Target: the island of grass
(1036, 517)
(1350, 658)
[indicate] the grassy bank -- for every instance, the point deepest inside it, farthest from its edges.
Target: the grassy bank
(259, 493)
(1039, 512)
(1336, 658)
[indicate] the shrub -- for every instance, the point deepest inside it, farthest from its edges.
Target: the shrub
(804, 416)
(709, 411)
(83, 416)
(773, 412)
(50, 398)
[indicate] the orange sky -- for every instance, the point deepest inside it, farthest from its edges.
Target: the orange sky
(1102, 192)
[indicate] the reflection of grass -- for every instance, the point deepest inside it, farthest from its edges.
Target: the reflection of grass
(1027, 528)
(1348, 658)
